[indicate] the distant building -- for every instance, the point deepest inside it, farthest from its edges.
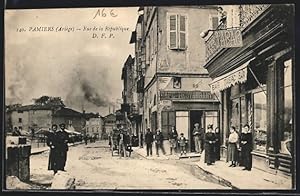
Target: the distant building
(94, 124)
(32, 118)
(109, 123)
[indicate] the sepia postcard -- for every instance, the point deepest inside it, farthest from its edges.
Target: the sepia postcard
(175, 98)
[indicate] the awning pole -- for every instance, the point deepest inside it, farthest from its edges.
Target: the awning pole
(217, 98)
(257, 81)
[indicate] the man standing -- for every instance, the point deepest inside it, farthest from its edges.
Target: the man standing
(148, 141)
(159, 142)
(122, 143)
(198, 137)
(63, 139)
(57, 141)
(173, 135)
(246, 145)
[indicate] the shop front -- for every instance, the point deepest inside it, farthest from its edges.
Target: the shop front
(256, 82)
(184, 114)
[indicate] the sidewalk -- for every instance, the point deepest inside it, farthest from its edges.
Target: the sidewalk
(43, 149)
(241, 179)
(143, 153)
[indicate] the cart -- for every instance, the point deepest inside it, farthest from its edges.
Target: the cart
(114, 143)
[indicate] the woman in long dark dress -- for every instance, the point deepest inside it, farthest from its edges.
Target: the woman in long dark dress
(217, 144)
(232, 147)
(210, 140)
(246, 147)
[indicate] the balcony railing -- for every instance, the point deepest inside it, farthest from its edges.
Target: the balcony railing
(249, 13)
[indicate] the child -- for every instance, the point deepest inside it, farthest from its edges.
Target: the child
(182, 144)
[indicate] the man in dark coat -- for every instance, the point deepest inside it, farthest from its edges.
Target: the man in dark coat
(217, 143)
(63, 141)
(209, 146)
(53, 154)
(149, 141)
(173, 135)
(159, 142)
(246, 147)
(57, 141)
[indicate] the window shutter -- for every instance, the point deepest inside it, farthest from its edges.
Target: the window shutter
(182, 32)
(213, 22)
(173, 31)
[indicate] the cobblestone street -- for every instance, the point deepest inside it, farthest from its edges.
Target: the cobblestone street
(94, 168)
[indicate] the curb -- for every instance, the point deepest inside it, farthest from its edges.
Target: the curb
(219, 179)
(41, 151)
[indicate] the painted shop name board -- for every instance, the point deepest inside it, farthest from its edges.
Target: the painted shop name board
(223, 38)
(186, 95)
(236, 76)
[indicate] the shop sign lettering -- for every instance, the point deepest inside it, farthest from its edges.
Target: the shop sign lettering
(186, 95)
(223, 38)
(239, 76)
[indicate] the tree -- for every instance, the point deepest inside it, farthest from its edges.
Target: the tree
(52, 101)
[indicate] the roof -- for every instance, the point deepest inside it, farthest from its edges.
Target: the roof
(90, 115)
(67, 112)
(110, 117)
(34, 107)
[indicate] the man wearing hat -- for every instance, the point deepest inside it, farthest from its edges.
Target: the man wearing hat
(198, 137)
(57, 141)
(63, 138)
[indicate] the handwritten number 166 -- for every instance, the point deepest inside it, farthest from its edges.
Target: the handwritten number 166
(102, 13)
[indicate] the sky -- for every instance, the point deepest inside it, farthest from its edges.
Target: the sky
(84, 71)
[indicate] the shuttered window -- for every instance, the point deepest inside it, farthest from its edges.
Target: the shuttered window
(177, 31)
(182, 33)
(167, 121)
(173, 31)
(213, 22)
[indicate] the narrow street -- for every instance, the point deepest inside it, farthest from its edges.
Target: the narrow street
(94, 168)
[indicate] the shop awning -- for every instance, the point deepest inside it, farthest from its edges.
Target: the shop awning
(238, 75)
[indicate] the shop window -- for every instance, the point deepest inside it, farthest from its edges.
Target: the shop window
(182, 123)
(286, 139)
(235, 113)
(167, 121)
(260, 121)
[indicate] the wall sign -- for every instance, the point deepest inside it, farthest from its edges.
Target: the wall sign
(223, 38)
(186, 95)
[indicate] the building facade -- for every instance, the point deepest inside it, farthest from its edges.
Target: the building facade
(176, 90)
(32, 118)
(93, 124)
(109, 123)
(256, 80)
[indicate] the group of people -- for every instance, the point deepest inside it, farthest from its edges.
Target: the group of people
(240, 147)
(238, 152)
(157, 138)
(57, 140)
